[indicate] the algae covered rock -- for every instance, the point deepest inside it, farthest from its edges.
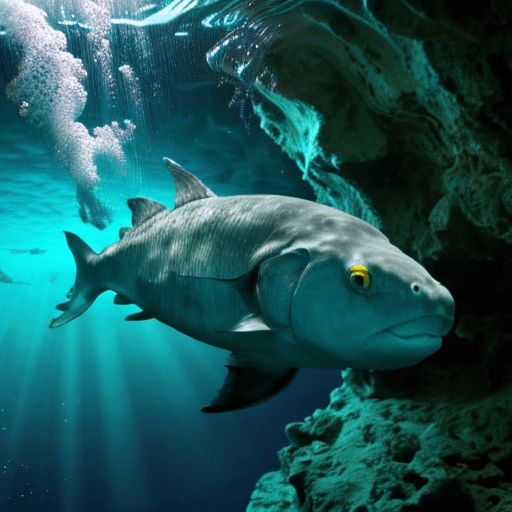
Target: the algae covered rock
(373, 454)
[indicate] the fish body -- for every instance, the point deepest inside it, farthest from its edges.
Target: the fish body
(281, 282)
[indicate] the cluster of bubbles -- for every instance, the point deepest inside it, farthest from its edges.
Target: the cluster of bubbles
(132, 83)
(50, 94)
(49, 83)
(77, 149)
(96, 15)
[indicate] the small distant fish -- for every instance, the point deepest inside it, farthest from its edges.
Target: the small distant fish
(4, 278)
(282, 283)
(53, 278)
(29, 251)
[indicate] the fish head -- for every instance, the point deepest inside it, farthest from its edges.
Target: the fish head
(367, 305)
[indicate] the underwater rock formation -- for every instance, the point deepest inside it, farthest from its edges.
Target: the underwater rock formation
(373, 453)
(424, 88)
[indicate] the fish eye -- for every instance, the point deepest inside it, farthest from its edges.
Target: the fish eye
(359, 278)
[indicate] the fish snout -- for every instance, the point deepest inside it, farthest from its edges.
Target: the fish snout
(437, 298)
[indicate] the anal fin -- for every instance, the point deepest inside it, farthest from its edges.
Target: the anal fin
(63, 307)
(141, 315)
(246, 386)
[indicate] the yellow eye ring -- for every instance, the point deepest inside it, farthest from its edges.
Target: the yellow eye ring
(359, 278)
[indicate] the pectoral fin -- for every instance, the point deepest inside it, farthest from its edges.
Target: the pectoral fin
(246, 386)
(142, 315)
(252, 323)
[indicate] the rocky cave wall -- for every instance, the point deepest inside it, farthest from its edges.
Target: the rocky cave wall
(426, 87)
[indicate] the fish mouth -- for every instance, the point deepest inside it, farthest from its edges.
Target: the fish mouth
(433, 326)
(408, 343)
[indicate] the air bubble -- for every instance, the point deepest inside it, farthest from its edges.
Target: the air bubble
(49, 90)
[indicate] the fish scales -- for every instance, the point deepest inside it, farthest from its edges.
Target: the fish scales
(280, 282)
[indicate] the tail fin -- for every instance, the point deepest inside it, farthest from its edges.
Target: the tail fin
(85, 290)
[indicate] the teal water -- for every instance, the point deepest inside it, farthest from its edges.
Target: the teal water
(103, 414)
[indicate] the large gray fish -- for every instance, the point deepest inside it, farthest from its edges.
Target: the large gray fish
(282, 283)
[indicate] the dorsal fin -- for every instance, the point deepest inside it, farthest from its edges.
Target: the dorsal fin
(188, 187)
(141, 315)
(143, 209)
(123, 232)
